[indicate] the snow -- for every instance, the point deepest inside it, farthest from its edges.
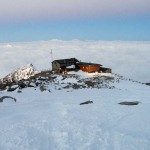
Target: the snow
(71, 67)
(56, 121)
(86, 74)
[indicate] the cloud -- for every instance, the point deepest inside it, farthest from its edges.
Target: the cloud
(130, 59)
(7, 46)
(27, 9)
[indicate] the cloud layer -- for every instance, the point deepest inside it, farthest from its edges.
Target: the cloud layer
(130, 59)
(35, 9)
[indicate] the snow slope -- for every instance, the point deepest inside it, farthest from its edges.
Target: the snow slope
(55, 120)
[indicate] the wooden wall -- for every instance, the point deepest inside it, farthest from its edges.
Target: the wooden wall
(90, 68)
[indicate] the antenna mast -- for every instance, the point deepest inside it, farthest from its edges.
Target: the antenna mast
(52, 55)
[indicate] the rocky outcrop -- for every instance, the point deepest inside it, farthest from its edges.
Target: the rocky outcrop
(45, 81)
(27, 77)
(19, 74)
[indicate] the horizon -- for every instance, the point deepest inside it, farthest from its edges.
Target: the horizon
(92, 20)
(9, 44)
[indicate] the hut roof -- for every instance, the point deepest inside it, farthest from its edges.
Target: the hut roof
(64, 61)
(86, 64)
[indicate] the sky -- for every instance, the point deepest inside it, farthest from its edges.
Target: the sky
(31, 20)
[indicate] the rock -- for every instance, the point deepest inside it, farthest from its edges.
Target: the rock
(10, 89)
(86, 102)
(43, 88)
(42, 79)
(32, 84)
(76, 86)
(147, 84)
(4, 97)
(21, 73)
(90, 83)
(129, 103)
(19, 91)
(21, 84)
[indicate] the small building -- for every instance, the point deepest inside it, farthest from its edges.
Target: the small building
(72, 64)
(64, 64)
(89, 67)
(105, 70)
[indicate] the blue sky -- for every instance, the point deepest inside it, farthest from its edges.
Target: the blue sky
(74, 19)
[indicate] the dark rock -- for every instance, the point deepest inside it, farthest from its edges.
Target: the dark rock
(3, 87)
(42, 79)
(86, 102)
(147, 84)
(10, 89)
(76, 86)
(67, 87)
(89, 83)
(83, 86)
(79, 81)
(42, 88)
(30, 85)
(129, 103)
(19, 91)
(21, 84)
(37, 83)
(4, 97)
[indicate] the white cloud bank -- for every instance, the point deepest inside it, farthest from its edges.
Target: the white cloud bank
(130, 59)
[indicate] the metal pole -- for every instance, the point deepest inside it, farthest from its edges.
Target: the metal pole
(52, 55)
